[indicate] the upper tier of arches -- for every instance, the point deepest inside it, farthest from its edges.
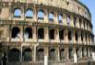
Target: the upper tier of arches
(71, 5)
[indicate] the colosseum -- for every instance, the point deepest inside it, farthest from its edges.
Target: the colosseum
(46, 32)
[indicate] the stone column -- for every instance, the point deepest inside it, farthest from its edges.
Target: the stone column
(46, 16)
(57, 35)
(72, 21)
(56, 18)
(93, 54)
(34, 33)
(46, 34)
(58, 54)
(75, 55)
(84, 39)
(66, 54)
(80, 52)
(66, 35)
(79, 39)
(34, 53)
(35, 13)
(46, 56)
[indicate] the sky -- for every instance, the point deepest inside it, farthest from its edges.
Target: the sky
(91, 5)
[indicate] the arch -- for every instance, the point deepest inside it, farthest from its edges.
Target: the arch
(61, 34)
(76, 36)
(15, 32)
(27, 54)
(14, 55)
(60, 18)
(70, 35)
(41, 33)
(52, 54)
(75, 21)
(52, 34)
(51, 16)
(17, 12)
(82, 36)
(40, 54)
(28, 32)
(29, 13)
(41, 14)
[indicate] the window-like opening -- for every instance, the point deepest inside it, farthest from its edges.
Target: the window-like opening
(81, 37)
(61, 34)
(51, 34)
(40, 54)
(86, 37)
(84, 25)
(14, 55)
(41, 14)
(15, 32)
(17, 12)
(28, 32)
(75, 20)
(52, 54)
(80, 21)
(51, 16)
(60, 18)
(70, 35)
(62, 54)
(40, 33)
(27, 54)
(29, 13)
(76, 36)
(68, 19)
(70, 53)
(83, 52)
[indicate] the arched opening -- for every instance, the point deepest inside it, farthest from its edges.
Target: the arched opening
(27, 54)
(76, 36)
(86, 37)
(40, 33)
(28, 33)
(40, 54)
(15, 32)
(51, 16)
(75, 20)
(81, 37)
(62, 57)
(41, 14)
(68, 19)
(80, 22)
(60, 18)
(14, 55)
(83, 52)
(70, 35)
(51, 34)
(61, 34)
(29, 13)
(52, 54)
(17, 12)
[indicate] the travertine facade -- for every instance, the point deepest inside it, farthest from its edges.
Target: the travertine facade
(60, 30)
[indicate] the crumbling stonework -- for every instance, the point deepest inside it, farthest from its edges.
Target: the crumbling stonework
(61, 30)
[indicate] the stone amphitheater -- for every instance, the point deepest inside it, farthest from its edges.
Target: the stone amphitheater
(46, 32)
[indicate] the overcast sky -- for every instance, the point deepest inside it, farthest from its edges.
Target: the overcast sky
(91, 5)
